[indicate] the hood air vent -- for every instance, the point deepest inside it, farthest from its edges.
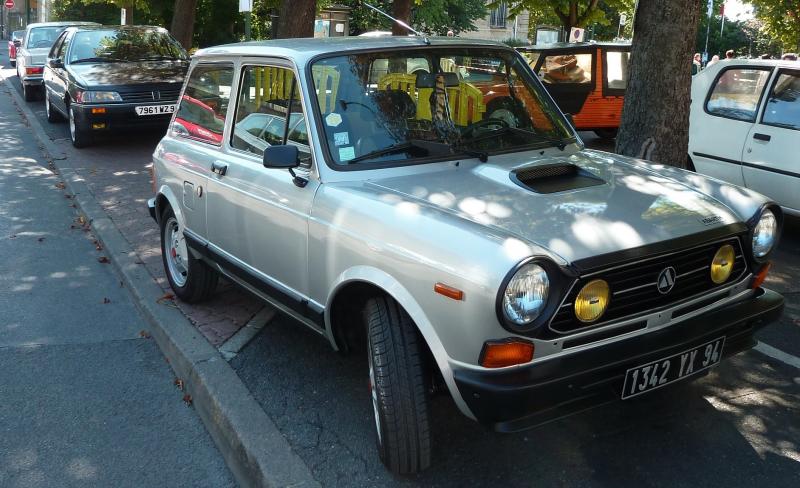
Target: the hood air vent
(553, 178)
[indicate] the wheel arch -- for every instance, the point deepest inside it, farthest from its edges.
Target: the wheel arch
(166, 197)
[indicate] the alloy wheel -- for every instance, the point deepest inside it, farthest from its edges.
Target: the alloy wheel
(176, 253)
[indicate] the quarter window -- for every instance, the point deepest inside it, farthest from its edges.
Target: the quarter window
(266, 95)
(617, 69)
(737, 92)
(783, 104)
(201, 114)
(567, 68)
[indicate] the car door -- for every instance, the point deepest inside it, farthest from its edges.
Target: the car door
(257, 216)
(721, 124)
(194, 141)
(55, 79)
(771, 165)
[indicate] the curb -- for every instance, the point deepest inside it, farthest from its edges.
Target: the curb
(253, 448)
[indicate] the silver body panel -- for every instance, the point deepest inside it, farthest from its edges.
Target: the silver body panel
(403, 229)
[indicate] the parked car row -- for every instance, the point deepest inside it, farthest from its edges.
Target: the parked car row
(102, 78)
(426, 203)
(14, 44)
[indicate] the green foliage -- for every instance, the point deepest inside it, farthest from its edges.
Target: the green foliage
(151, 12)
(430, 16)
(570, 13)
(746, 38)
(781, 20)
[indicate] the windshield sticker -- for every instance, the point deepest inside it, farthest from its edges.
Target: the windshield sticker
(341, 138)
(333, 119)
(347, 153)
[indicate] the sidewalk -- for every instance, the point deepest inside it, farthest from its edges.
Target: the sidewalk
(86, 399)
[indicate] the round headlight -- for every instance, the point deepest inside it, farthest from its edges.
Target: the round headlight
(722, 264)
(592, 301)
(526, 294)
(764, 234)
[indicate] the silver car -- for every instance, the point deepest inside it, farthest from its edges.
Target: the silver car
(33, 51)
(450, 223)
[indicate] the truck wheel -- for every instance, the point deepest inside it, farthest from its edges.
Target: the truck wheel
(78, 135)
(191, 279)
(397, 385)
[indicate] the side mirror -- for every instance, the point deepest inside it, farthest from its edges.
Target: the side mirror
(56, 63)
(281, 156)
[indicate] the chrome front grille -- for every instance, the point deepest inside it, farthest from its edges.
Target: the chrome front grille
(155, 96)
(634, 288)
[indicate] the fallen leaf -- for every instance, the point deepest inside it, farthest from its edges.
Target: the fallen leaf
(73, 226)
(82, 220)
(103, 259)
(187, 399)
(168, 296)
(179, 383)
(60, 185)
(73, 205)
(97, 245)
(12, 236)
(144, 334)
(68, 196)
(41, 239)
(106, 300)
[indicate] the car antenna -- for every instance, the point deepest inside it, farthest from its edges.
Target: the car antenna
(398, 21)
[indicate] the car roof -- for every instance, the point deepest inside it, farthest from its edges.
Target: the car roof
(302, 50)
(783, 63)
(58, 24)
(567, 46)
(92, 27)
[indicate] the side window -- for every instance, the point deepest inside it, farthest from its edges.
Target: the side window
(567, 68)
(266, 95)
(201, 113)
(56, 49)
(64, 48)
(737, 92)
(617, 69)
(783, 104)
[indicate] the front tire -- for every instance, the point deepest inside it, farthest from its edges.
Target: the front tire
(191, 279)
(400, 399)
(52, 115)
(607, 134)
(77, 134)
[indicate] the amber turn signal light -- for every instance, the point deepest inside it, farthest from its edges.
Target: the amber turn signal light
(99, 110)
(448, 291)
(761, 276)
(507, 352)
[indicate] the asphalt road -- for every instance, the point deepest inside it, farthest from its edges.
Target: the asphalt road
(85, 399)
(737, 427)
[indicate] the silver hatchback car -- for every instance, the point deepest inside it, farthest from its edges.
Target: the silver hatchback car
(425, 201)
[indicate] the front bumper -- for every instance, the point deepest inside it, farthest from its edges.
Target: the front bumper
(117, 116)
(526, 397)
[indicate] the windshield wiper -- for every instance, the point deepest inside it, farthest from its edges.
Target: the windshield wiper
(482, 156)
(97, 60)
(559, 143)
(158, 58)
(400, 147)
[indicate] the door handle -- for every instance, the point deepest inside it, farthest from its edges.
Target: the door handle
(219, 167)
(762, 137)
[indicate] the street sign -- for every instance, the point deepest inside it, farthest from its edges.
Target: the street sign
(245, 5)
(9, 4)
(576, 34)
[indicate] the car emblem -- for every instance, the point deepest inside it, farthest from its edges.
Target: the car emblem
(156, 95)
(666, 280)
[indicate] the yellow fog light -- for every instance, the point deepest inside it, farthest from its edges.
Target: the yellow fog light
(592, 301)
(722, 264)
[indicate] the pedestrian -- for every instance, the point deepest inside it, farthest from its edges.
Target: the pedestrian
(696, 64)
(729, 54)
(714, 60)
(789, 57)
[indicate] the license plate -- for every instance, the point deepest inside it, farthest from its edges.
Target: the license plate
(155, 109)
(656, 374)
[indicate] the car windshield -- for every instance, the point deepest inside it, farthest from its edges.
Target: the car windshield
(43, 37)
(124, 45)
(399, 107)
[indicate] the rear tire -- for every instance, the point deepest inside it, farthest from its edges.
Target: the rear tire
(398, 387)
(606, 133)
(13, 63)
(28, 93)
(191, 279)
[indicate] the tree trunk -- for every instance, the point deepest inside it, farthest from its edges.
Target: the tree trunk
(182, 27)
(401, 10)
(296, 18)
(655, 116)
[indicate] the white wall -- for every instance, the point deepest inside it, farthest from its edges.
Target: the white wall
(486, 32)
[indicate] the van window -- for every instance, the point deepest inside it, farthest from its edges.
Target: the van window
(617, 69)
(737, 92)
(783, 104)
(567, 68)
(202, 109)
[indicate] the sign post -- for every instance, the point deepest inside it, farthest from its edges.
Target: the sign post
(246, 7)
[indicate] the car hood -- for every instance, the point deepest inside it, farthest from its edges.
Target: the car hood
(631, 206)
(38, 56)
(121, 74)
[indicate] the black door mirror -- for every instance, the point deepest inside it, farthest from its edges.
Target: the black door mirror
(56, 63)
(281, 156)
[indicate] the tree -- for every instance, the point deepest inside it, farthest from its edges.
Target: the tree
(182, 27)
(431, 16)
(781, 19)
(153, 12)
(401, 10)
(296, 18)
(570, 13)
(655, 116)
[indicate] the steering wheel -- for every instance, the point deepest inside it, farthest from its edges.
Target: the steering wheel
(498, 123)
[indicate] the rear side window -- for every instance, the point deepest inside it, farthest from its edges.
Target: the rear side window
(202, 109)
(783, 104)
(267, 95)
(567, 68)
(736, 93)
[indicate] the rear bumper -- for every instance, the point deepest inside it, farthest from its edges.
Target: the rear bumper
(117, 117)
(32, 80)
(524, 398)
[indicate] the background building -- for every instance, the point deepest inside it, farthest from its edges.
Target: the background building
(497, 26)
